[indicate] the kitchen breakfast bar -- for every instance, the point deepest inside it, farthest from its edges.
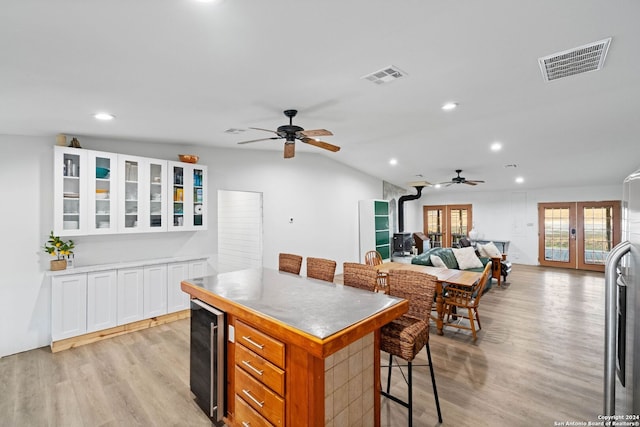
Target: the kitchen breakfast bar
(299, 351)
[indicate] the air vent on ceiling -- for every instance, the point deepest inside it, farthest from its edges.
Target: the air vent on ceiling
(386, 75)
(589, 57)
(234, 131)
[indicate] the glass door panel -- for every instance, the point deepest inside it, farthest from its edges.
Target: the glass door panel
(72, 194)
(178, 196)
(459, 223)
(104, 190)
(156, 195)
(434, 224)
(131, 192)
(558, 234)
(198, 197)
(599, 231)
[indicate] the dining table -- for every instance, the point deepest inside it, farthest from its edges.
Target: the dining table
(442, 275)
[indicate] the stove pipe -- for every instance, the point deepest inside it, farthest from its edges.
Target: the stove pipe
(401, 201)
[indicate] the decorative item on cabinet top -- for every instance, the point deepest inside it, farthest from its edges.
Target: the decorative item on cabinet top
(188, 158)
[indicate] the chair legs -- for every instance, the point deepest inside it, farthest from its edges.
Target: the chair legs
(433, 382)
(409, 403)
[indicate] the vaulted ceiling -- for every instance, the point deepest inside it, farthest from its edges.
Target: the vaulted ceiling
(186, 72)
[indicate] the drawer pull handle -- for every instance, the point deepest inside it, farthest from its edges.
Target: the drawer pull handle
(253, 368)
(250, 396)
(246, 424)
(249, 340)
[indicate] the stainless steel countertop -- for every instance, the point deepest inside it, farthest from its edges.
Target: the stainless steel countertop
(312, 306)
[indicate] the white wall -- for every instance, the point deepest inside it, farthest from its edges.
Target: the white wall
(320, 194)
(509, 216)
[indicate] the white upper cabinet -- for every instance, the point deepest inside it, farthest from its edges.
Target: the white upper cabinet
(142, 203)
(104, 193)
(70, 191)
(188, 193)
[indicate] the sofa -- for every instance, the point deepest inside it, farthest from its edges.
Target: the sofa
(449, 259)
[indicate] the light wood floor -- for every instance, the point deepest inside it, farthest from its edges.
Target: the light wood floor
(538, 359)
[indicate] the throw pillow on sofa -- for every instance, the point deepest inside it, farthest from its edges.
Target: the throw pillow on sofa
(490, 250)
(436, 261)
(467, 258)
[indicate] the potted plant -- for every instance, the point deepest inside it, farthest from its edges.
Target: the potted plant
(59, 248)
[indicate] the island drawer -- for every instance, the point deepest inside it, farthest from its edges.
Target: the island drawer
(264, 401)
(246, 416)
(260, 343)
(261, 369)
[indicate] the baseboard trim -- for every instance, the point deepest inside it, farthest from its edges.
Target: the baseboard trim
(96, 336)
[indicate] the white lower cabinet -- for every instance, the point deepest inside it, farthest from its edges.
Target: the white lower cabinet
(155, 291)
(101, 300)
(68, 306)
(130, 295)
(93, 301)
(176, 273)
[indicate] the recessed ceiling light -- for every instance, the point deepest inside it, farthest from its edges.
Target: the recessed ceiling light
(437, 186)
(519, 180)
(104, 116)
(393, 162)
(496, 146)
(450, 106)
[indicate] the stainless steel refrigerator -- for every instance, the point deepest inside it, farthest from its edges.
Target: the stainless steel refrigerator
(622, 310)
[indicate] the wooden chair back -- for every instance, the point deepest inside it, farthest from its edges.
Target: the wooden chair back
(290, 263)
(321, 268)
(360, 276)
(373, 258)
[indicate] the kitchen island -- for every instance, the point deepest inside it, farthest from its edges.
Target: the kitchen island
(300, 352)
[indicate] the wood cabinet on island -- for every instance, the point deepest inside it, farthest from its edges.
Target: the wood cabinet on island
(316, 343)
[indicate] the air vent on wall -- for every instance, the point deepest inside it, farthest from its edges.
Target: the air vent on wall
(589, 57)
(386, 75)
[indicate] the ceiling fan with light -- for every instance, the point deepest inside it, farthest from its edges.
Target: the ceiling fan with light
(292, 132)
(460, 180)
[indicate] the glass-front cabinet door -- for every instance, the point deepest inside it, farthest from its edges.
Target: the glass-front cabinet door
(102, 192)
(142, 194)
(188, 196)
(70, 191)
(199, 197)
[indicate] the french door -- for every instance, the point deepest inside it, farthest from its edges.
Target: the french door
(577, 234)
(446, 224)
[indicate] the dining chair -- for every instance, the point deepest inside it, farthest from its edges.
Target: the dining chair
(360, 276)
(374, 258)
(320, 268)
(457, 299)
(290, 263)
(405, 336)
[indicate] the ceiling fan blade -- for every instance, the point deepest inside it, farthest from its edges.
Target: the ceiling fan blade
(320, 144)
(261, 139)
(471, 182)
(266, 130)
(315, 132)
(289, 150)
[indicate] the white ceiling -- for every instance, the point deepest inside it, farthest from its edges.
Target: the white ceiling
(179, 71)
